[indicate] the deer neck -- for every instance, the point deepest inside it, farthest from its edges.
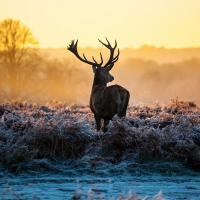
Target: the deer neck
(98, 81)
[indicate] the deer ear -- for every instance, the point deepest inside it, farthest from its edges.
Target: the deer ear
(94, 68)
(109, 67)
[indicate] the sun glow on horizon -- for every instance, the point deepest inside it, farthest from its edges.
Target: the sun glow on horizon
(168, 23)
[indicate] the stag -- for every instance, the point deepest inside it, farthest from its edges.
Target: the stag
(105, 101)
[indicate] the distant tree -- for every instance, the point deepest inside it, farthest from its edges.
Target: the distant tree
(18, 60)
(64, 81)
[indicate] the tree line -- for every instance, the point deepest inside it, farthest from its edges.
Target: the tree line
(26, 74)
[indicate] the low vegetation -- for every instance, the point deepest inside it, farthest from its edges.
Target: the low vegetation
(157, 137)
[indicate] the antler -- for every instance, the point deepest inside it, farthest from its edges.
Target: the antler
(73, 48)
(112, 50)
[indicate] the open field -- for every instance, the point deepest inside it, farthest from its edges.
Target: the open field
(55, 139)
(33, 136)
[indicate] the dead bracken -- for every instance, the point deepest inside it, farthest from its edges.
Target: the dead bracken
(32, 132)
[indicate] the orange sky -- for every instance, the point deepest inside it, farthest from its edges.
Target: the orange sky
(169, 23)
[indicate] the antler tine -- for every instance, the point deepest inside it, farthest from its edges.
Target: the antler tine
(101, 59)
(103, 44)
(85, 57)
(76, 43)
(99, 64)
(112, 49)
(115, 45)
(115, 59)
(108, 43)
(94, 59)
(73, 48)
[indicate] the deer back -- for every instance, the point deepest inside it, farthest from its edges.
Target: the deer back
(108, 101)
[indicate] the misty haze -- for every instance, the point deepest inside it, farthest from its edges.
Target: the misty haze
(149, 73)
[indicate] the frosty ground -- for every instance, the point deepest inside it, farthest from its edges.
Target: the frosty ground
(157, 138)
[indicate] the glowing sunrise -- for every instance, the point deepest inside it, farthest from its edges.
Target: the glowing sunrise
(169, 23)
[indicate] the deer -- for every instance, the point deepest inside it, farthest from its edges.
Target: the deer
(105, 101)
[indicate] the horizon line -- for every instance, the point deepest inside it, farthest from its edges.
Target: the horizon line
(129, 47)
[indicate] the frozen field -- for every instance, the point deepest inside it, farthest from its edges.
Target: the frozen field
(53, 152)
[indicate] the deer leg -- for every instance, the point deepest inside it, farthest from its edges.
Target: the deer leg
(98, 122)
(106, 122)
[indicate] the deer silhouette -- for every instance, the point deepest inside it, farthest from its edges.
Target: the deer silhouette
(105, 101)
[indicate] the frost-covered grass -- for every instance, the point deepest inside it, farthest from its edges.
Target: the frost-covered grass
(93, 194)
(131, 196)
(160, 137)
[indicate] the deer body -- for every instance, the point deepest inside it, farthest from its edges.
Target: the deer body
(105, 102)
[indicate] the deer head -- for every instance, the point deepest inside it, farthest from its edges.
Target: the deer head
(102, 75)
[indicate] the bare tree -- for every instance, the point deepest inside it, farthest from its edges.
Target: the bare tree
(18, 60)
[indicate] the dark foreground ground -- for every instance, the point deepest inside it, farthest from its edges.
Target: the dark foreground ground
(163, 139)
(33, 136)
